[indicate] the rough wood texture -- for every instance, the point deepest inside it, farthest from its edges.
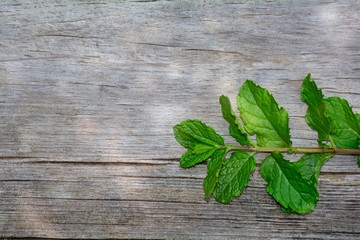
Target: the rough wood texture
(90, 91)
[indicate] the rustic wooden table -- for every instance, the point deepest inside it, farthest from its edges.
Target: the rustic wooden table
(90, 91)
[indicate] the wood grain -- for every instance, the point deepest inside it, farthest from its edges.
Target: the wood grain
(90, 91)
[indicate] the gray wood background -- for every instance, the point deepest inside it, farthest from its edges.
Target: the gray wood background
(90, 91)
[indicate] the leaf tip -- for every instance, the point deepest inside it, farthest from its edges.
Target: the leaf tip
(222, 97)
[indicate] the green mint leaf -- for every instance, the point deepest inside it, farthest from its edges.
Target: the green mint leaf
(201, 148)
(286, 184)
(345, 128)
(358, 160)
(315, 117)
(190, 133)
(358, 118)
(234, 176)
(190, 159)
(266, 168)
(310, 166)
(236, 130)
(263, 117)
(213, 170)
(200, 139)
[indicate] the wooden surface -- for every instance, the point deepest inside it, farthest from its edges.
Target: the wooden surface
(90, 91)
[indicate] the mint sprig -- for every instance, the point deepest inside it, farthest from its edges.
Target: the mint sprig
(292, 184)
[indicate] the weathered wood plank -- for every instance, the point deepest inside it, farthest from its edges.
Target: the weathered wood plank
(90, 90)
(58, 199)
(147, 200)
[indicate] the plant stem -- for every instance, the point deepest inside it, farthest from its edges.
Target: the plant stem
(346, 151)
